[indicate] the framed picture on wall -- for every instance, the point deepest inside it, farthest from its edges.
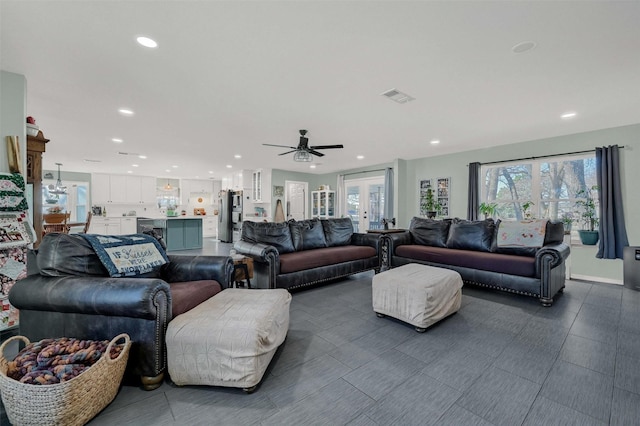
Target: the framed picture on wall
(443, 193)
(425, 184)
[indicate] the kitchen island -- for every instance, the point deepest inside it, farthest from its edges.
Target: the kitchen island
(178, 233)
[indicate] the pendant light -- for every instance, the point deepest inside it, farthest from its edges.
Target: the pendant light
(58, 189)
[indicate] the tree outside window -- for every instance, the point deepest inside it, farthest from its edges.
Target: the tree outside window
(549, 186)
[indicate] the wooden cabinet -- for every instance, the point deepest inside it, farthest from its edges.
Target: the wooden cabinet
(183, 234)
(36, 146)
(105, 226)
(323, 204)
(122, 189)
(128, 225)
(256, 186)
(210, 226)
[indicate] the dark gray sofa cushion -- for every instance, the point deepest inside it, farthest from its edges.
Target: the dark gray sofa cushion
(429, 232)
(337, 232)
(67, 254)
(471, 235)
(307, 234)
(277, 235)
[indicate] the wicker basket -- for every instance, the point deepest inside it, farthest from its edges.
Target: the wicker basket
(69, 403)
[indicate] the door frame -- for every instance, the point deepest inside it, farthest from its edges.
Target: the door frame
(363, 183)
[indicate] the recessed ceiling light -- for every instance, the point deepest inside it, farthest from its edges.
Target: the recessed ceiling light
(210, 172)
(229, 166)
(135, 165)
(237, 156)
(567, 115)
(434, 142)
(175, 167)
(312, 166)
(142, 157)
(240, 174)
(147, 42)
(168, 170)
(129, 171)
(523, 46)
(360, 157)
(117, 140)
(126, 112)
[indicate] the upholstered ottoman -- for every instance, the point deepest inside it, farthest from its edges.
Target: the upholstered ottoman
(417, 294)
(229, 339)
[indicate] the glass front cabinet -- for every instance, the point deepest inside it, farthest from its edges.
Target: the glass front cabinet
(323, 204)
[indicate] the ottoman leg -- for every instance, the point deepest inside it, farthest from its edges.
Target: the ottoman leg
(420, 329)
(380, 315)
(250, 389)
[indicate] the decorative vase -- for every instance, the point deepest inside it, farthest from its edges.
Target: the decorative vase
(432, 214)
(567, 228)
(588, 238)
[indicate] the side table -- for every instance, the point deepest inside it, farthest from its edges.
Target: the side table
(384, 245)
(242, 270)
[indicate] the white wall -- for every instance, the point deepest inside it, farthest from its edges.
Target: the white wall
(13, 114)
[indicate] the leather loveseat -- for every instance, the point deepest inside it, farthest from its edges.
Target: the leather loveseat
(73, 295)
(471, 248)
(298, 254)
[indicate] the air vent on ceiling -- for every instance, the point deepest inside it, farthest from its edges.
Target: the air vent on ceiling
(89, 160)
(127, 153)
(397, 96)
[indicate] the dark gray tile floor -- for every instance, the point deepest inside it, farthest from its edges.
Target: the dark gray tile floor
(501, 360)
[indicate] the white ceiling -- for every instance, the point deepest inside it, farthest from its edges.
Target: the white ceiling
(230, 76)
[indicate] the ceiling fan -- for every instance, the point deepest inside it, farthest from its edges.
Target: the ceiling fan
(304, 152)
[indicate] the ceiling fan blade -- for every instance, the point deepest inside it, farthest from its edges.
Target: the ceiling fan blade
(326, 146)
(316, 153)
(281, 146)
(288, 152)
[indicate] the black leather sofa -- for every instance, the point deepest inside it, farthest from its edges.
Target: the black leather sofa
(471, 249)
(72, 295)
(299, 254)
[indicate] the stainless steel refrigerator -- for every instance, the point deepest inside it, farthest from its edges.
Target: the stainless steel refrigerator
(230, 216)
(225, 224)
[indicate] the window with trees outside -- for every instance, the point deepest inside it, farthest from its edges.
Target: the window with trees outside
(542, 188)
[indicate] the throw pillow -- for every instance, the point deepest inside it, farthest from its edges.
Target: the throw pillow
(429, 232)
(277, 235)
(307, 234)
(337, 232)
(471, 235)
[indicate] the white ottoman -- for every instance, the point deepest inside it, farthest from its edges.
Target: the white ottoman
(418, 294)
(228, 340)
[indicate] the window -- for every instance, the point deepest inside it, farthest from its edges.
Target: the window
(549, 187)
(75, 201)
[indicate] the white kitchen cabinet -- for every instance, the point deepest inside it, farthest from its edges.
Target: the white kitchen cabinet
(105, 226)
(210, 226)
(256, 186)
(122, 189)
(128, 225)
(192, 189)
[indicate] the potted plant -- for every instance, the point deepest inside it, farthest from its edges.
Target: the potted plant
(430, 205)
(567, 222)
(588, 216)
(526, 213)
(488, 209)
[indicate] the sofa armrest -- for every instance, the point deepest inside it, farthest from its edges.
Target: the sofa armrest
(396, 239)
(550, 256)
(195, 268)
(371, 240)
(257, 251)
(266, 260)
(146, 298)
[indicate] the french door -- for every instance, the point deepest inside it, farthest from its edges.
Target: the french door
(365, 202)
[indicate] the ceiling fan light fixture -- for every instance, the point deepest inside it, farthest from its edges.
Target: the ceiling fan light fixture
(302, 157)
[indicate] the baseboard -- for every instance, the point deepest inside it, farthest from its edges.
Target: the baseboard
(596, 279)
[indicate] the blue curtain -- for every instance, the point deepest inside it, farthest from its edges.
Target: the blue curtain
(474, 191)
(388, 193)
(613, 233)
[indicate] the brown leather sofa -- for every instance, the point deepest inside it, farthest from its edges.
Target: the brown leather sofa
(299, 254)
(470, 248)
(71, 295)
